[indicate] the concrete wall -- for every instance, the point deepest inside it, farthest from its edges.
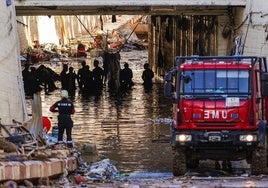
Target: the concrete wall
(248, 35)
(254, 27)
(11, 94)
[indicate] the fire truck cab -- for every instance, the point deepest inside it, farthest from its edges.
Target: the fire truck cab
(220, 110)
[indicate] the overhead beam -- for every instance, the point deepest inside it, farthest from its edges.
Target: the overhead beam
(130, 3)
(122, 11)
(97, 7)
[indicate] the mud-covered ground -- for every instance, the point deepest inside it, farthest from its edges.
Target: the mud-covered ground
(188, 182)
(183, 181)
(204, 176)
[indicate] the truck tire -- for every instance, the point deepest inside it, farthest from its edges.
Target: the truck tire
(259, 161)
(194, 163)
(259, 155)
(179, 162)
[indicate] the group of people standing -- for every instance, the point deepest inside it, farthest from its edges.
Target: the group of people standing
(89, 82)
(36, 79)
(126, 76)
(93, 81)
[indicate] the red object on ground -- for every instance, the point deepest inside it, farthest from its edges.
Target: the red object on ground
(79, 179)
(46, 123)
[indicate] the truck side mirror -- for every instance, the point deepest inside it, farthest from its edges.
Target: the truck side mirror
(264, 84)
(187, 79)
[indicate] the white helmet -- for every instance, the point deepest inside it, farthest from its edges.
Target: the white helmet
(64, 94)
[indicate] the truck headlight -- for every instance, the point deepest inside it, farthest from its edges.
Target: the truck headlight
(248, 138)
(183, 137)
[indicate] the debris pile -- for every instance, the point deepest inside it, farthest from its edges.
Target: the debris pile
(27, 159)
(101, 171)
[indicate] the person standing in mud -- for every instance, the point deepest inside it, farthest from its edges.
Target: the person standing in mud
(64, 77)
(88, 84)
(97, 74)
(71, 77)
(147, 76)
(81, 74)
(65, 108)
(125, 77)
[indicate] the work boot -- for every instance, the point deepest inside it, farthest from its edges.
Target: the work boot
(69, 144)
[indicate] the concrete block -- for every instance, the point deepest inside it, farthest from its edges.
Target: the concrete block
(2, 172)
(12, 170)
(27, 165)
(48, 165)
(22, 171)
(15, 170)
(57, 166)
(35, 169)
(46, 169)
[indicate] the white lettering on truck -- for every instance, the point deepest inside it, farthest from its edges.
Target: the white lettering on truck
(215, 114)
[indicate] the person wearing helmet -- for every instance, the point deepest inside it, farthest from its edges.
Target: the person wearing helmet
(65, 108)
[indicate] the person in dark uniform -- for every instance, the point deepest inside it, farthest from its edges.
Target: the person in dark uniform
(71, 82)
(81, 75)
(65, 108)
(63, 77)
(97, 74)
(147, 76)
(88, 86)
(126, 76)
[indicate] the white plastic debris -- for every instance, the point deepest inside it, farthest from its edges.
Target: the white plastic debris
(103, 170)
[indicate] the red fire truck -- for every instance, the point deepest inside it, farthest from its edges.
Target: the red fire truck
(220, 110)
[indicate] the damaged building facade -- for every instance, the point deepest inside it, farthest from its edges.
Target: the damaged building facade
(208, 31)
(176, 28)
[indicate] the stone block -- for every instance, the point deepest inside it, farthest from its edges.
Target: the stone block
(2, 172)
(12, 170)
(48, 168)
(35, 168)
(57, 166)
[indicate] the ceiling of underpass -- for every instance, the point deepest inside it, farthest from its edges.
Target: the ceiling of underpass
(123, 7)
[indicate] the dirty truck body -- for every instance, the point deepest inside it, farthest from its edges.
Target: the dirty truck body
(219, 106)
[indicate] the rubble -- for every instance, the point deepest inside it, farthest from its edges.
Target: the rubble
(24, 157)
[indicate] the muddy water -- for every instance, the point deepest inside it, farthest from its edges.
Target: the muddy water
(130, 128)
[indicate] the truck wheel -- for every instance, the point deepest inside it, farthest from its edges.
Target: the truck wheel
(194, 163)
(259, 161)
(259, 155)
(179, 162)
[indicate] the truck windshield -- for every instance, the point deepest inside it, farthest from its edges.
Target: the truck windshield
(206, 82)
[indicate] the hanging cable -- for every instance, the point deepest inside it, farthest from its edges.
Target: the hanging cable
(249, 21)
(87, 30)
(119, 49)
